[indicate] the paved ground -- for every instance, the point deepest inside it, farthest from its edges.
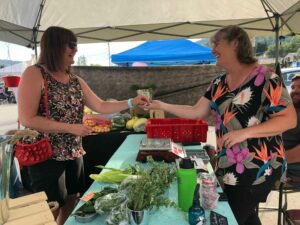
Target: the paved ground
(8, 121)
(8, 117)
(270, 217)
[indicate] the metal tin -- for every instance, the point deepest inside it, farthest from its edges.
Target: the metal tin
(86, 218)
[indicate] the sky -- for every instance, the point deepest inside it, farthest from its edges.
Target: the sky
(94, 53)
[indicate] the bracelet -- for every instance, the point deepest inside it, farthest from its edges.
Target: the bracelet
(129, 103)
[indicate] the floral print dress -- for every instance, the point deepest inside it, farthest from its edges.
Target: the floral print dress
(65, 103)
(255, 160)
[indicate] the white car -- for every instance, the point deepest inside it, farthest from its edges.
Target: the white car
(288, 74)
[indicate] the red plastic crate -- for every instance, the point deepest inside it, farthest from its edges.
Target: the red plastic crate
(178, 129)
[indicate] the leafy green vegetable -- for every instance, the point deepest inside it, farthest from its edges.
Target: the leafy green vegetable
(107, 202)
(88, 207)
(147, 191)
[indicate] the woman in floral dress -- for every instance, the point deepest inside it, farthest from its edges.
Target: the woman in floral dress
(62, 176)
(251, 108)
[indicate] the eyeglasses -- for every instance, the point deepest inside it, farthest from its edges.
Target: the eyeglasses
(72, 44)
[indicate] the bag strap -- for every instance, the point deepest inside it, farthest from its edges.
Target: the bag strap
(46, 98)
(43, 71)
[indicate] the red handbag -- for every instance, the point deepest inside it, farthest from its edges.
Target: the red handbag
(34, 153)
(38, 151)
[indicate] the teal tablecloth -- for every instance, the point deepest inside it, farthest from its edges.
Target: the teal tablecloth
(126, 153)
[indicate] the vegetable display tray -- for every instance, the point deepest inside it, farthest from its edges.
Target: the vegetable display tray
(178, 129)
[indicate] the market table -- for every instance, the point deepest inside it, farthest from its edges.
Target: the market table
(99, 149)
(126, 153)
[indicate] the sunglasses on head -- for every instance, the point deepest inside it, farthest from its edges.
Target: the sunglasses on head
(72, 44)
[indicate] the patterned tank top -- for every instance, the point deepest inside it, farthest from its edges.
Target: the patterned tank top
(65, 103)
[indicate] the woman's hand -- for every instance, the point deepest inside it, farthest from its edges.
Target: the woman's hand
(80, 129)
(155, 104)
(234, 137)
(140, 101)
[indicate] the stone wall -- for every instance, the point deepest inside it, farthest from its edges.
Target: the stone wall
(177, 84)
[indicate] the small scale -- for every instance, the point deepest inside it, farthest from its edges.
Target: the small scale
(164, 149)
(158, 148)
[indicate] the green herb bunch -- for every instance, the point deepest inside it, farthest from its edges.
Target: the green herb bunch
(147, 190)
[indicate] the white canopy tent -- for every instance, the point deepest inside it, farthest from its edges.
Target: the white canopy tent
(14, 69)
(22, 22)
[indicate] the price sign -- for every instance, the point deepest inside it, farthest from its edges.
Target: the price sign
(87, 197)
(177, 150)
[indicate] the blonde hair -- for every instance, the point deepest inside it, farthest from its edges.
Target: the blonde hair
(235, 33)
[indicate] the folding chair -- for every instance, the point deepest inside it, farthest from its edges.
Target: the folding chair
(283, 188)
(292, 185)
(279, 186)
(293, 217)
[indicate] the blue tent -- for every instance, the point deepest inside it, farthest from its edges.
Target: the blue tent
(166, 52)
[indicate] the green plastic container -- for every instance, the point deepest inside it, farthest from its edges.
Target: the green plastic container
(187, 180)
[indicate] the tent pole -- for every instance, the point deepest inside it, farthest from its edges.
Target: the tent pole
(37, 26)
(35, 44)
(108, 45)
(276, 38)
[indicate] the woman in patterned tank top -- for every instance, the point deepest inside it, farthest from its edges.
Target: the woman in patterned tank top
(62, 176)
(251, 108)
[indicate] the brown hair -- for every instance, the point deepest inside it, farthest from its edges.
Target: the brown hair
(244, 48)
(53, 44)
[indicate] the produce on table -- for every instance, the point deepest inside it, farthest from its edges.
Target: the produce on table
(121, 121)
(107, 202)
(143, 190)
(115, 205)
(88, 207)
(147, 190)
(139, 125)
(130, 123)
(118, 215)
(118, 122)
(114, 175)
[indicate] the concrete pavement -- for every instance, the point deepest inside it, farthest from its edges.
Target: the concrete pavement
(8, 117)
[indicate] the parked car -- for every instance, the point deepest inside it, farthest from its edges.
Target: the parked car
(288, 74)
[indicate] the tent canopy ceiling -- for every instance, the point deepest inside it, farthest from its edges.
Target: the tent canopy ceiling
(166, 52)
(136, 20)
